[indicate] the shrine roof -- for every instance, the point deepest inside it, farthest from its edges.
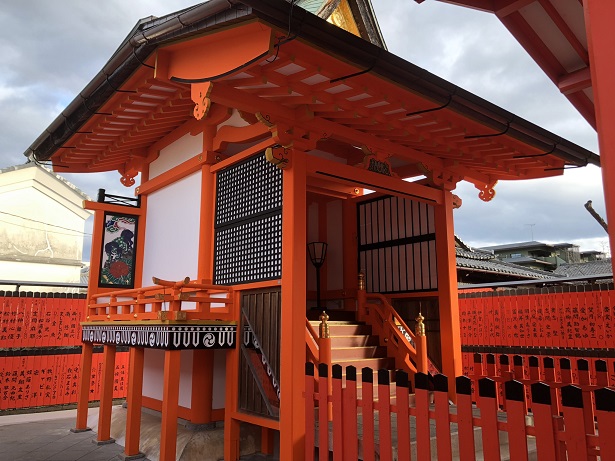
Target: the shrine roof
(553, 33)
(340, 86)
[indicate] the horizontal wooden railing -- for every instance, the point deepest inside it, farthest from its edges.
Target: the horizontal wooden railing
(311, 342)
(408, 349)
(386, 433)
(166, 300)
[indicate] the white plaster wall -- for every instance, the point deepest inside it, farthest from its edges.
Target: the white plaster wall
(181, 150)
(172, 232)
(219, 388)
(335, 249)
(37, 272)
(153, 372)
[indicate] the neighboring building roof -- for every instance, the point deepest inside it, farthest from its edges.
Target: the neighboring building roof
(43, 168)
(432, 104)
(527, 245)
(601, 267)
(487, 262)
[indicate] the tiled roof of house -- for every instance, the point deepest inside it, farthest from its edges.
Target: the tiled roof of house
(602, 267)
(486, 261)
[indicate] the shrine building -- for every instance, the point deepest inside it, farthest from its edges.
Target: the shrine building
(283, 164)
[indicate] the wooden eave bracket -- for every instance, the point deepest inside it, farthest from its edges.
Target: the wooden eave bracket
(445, 178)
(486, 190)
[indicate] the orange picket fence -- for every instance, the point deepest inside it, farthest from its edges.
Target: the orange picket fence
(379, 420)
(40, 347)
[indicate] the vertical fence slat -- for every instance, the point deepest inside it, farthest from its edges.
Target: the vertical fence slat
(574, 423)
(310, 423)
(367, 409)
(384, 416)
(487, 404)
(588, 407)
(351, 437)
(602, 375)
(605, 414)
(443, 425)
(465, 426)
(543, 422)
(515, 410)
(421, 392)
(323, 412)
(338, 417)
(402, 390)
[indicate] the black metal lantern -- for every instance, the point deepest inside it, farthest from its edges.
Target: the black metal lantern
(318, 253)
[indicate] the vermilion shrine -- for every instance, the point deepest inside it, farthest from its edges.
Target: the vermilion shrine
(256, 128)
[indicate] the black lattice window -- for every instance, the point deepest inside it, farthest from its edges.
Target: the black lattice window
(248, 245)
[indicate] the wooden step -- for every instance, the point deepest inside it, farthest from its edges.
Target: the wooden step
(387, 363)
(352, 353)
(348, 329)
(354, 341)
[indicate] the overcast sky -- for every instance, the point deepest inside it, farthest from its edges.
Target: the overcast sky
(50, 51)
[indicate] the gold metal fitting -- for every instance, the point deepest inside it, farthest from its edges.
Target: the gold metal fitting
(361, 281)
(419, 330)
(108, 316)
(324, 326)
(162, 315)
(180, 315)
(135, 316)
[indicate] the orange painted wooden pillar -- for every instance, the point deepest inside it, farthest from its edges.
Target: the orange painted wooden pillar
(202, 386)
(447, 289)
(106, 396)
(292, 347)
(601, 46)
(231, 425)
(83, 390)
(134, 397)
(350, 252)
(170, 405)
(203, 360)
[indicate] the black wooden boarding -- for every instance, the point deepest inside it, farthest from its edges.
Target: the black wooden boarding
(397, 245)
(259, 382)
(248, 227)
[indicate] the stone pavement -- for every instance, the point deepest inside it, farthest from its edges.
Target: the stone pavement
(47, 436)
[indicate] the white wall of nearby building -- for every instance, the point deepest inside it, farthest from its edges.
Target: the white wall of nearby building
(42, 226)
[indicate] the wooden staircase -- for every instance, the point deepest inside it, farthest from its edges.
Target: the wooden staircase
(352, 343)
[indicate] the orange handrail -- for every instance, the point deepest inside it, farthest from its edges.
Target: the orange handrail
(311, 341)
(386, 323)
(132, 304)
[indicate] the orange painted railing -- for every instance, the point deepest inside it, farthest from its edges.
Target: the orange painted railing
(587, 375)
(546, 436)
(166, 300)
(409, 350)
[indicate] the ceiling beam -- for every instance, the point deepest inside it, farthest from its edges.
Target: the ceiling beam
(575, 81)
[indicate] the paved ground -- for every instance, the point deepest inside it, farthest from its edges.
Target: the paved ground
(47, 436)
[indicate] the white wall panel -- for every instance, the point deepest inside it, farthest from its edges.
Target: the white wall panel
(153, 373)
(177, 153)
(172, 232)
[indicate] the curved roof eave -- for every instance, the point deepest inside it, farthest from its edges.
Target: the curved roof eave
(136, 48)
